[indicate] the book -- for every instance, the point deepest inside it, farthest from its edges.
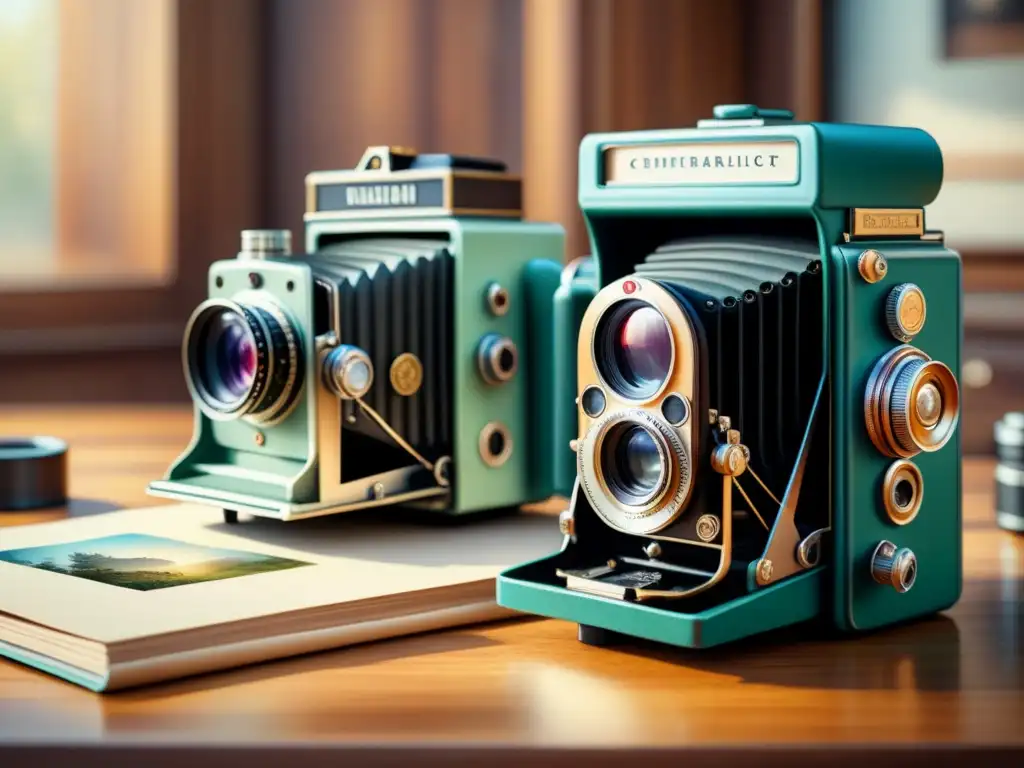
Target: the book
(138, 596)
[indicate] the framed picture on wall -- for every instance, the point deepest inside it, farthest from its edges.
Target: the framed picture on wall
(983, 29)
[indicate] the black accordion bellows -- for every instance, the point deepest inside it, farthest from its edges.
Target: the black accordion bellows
(760, 303)
(396, 296)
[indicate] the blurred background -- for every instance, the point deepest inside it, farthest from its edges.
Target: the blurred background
(138, 137)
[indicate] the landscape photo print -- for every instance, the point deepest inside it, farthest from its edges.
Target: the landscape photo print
(143, 562)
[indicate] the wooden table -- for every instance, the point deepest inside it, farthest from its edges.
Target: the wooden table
(525, 693)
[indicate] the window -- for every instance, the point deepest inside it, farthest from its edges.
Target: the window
(130, 149)
(86, 142)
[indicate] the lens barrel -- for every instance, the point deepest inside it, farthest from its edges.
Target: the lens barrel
(242, 361)
(1009, 474)
(635, 462)
(633, 349)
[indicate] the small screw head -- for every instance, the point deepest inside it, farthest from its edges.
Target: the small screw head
(378, 491)
(259, 438)
(764, 570)
(497, 299)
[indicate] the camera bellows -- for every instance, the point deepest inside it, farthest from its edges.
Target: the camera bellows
(759, 302)
(395, 302)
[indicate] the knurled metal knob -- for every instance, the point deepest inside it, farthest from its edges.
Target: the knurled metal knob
(911, 403)
(872, 266)
(905, 311)
(729, 459)
(261, 243)
(903, 411)
(893, 566)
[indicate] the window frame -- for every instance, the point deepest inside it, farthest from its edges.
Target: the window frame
(217, 141)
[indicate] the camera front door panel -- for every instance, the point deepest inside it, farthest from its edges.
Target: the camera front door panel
(898, 409)
(699, 376)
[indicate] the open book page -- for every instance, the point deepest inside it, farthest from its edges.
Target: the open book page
(142, 572)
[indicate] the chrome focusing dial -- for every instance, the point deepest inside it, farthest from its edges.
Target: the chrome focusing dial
(911, 404)
(348, 372)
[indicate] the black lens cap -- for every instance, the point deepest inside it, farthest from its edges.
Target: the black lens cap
(33, 473)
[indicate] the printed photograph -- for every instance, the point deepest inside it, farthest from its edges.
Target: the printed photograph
(142, 562)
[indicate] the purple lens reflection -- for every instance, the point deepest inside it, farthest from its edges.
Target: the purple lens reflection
(643, 350)
(227, 357)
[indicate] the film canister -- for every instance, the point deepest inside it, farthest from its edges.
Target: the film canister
(1009, 434)
(33, 473)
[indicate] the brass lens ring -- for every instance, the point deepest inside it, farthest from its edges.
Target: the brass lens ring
(495, 444)
(611, 350)
(636, 511)
(911, 403)
(902, 491)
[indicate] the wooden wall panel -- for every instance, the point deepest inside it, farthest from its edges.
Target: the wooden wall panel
(440, 76)
(784, 65)
(110, 343)
(614, 65)
(551, 121)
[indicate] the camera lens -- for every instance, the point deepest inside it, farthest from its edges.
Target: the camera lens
(242, 360)
(634, 464)
(227, 358)
(634, 349)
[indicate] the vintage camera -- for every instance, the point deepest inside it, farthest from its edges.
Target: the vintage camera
(767, 415)
(407, 357)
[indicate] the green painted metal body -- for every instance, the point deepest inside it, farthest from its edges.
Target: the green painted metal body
(839, 167)
(283, 469)
(859, 338)
(533, 588)
(527, 258)
(281, 473)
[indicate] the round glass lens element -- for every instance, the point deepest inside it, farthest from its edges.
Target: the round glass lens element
(633, 464)
(226, 355)
(593, 402)
(675, 410)
(635, 349)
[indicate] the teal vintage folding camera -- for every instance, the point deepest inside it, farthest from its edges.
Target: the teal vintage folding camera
(407, 357)
(767, 415)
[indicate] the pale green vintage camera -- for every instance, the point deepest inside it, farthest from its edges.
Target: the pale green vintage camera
(407, 357)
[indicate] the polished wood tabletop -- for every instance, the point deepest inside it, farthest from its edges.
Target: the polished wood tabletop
(525, 689)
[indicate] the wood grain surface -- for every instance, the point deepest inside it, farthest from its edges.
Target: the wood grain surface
(526, 690)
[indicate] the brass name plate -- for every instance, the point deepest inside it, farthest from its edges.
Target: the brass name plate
(876, 222)
(697, 162)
